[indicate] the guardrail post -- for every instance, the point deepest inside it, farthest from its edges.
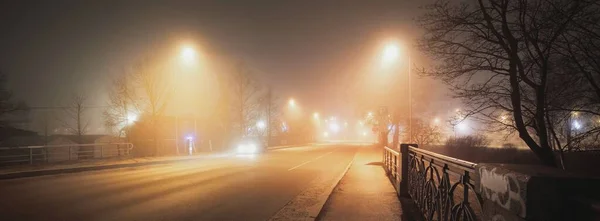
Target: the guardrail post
(30, 156)
(101, 151)
(404, 168)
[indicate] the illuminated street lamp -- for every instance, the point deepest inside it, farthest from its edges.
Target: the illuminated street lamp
(390, 54)
(187, 55)
(576, 125)
(131, 118)
(462, 126)
(316, 115)
(292, 102)
(261, 125)
(436, 121)
(334, 127)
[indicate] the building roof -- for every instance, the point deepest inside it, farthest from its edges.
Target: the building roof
(22, 141)
(7, 132)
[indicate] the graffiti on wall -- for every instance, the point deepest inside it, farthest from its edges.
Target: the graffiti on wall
(504, 189)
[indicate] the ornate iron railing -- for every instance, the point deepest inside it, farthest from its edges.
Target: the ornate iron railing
(442, 187)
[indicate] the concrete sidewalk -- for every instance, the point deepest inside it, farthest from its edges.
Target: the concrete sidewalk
(365, 192)
(20, 171)
(89, 165)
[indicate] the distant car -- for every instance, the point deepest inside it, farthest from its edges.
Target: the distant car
(250, 145)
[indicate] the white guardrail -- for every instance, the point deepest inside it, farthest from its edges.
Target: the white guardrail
(59, 153)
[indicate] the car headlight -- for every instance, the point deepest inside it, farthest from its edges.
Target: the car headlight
(246, 148)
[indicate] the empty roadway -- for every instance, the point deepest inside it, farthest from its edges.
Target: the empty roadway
(249, 187)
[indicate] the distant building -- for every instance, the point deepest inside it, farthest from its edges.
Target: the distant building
(8, 132)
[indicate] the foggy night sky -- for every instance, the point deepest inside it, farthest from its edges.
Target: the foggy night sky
(50, 49)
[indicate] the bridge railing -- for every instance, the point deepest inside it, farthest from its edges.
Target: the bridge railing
(446, 188)
(59, 153)
(441, 187)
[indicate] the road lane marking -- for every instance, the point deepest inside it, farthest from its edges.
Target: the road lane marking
(319, 157)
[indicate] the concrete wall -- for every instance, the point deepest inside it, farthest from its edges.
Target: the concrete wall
(526, 192)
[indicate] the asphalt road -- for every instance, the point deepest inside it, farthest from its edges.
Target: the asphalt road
(224, 188)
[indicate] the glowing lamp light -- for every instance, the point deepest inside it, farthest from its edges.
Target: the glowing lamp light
(261, 124)
(188, 54)
(189, 138)
(131, 118)
(284, 127)
(325, 134)
(316, 115)
(576, 125)
(462, 126)
(390, 54)
(436, 120)
(292, 103)
(333, 127)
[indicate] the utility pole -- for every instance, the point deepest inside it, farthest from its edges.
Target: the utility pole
(195, 133)
(409, 105)
(269, 97)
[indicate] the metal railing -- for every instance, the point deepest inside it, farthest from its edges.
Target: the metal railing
(442, 187)
(59, 153)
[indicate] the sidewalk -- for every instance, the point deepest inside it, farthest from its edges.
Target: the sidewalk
(365, 193)
(20, 171)
(88, 165)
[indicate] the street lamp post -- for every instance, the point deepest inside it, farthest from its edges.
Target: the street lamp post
(188, 54)
(409, 103)
(390, 54)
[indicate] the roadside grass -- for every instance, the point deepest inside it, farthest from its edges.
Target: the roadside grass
(476, 150)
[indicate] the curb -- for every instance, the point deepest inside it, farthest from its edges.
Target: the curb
(316, 211)
(295, 209)
(34, 173)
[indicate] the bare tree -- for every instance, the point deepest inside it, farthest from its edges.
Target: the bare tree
(500, 57)
(425, 133)
(8, 106)
(152, 92)
(120, 105)
(245, 101)
(272, 115)
(75, 120)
